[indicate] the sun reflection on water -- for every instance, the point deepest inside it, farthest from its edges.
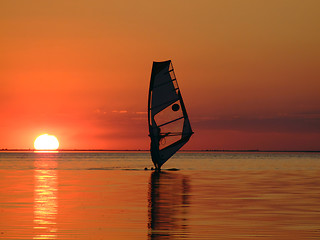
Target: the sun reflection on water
(45, 198)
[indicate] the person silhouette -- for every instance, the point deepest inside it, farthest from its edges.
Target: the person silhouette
(161, 135)
(155, 147)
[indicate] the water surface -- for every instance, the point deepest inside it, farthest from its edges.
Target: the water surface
(108, 195)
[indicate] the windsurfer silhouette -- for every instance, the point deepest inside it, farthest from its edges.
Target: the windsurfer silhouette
(169, 125)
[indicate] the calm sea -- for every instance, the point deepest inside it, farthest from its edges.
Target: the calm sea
(108, 195)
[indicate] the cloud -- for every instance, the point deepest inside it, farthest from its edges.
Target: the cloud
(120, 111)
(292, 123)
(141, 113)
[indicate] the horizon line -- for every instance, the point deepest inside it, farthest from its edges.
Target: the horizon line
(147, 150)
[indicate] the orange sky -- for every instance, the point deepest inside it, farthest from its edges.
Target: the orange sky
(248, 70)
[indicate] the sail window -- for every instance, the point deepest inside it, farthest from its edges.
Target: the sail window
(167, 115)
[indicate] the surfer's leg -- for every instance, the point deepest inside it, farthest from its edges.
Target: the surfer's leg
(158, 168)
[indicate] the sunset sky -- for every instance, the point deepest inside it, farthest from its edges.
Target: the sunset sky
(249, 71)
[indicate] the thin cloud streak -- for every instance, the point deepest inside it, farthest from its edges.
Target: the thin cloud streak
(271, 124)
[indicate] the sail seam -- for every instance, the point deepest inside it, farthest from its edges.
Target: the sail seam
(165, 103)
(171, 121)
(165, 83)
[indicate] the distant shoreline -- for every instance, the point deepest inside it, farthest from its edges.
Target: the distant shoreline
(146, 150)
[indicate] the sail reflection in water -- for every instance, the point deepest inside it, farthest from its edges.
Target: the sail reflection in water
(168, 205)
(45, 196)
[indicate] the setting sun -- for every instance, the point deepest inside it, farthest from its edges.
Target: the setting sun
(46, 142)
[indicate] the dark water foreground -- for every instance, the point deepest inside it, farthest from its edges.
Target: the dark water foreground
(109, 196)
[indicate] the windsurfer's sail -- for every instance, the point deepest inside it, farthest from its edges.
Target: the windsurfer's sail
(169, 125)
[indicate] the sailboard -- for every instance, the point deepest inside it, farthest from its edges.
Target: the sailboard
(169, 125)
